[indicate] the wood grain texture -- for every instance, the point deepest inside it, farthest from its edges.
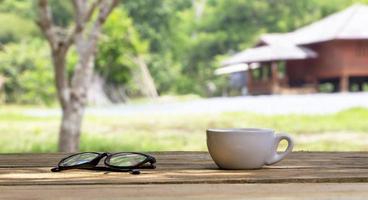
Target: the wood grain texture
(190, 168)
(315, 191)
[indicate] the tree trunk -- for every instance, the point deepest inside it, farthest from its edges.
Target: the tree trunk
(70, 128)
(147, 85)
(71, 124)
(72, 93)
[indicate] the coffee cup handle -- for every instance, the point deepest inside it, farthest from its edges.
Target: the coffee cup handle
(277, 157)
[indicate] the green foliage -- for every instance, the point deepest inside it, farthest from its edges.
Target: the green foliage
(112, 62)
(28, 72)
(118, 48)
(62, 12)
(17, 19)
(154, 20)
(182, 42)
(22, 8)
(15, 28)
(326, 87)
(160, 23)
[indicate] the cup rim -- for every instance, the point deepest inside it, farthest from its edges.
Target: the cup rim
(240, 130)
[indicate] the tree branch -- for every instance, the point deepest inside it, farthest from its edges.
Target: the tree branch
(58, 51)
(86, 47)
(81, 19)
(61, 79)
(91, 10)
(105, 8)
(45, 23)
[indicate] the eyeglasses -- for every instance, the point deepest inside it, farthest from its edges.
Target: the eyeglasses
(118, 162)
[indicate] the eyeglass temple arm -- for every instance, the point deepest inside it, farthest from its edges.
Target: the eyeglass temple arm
(131, 171)
(55, 169)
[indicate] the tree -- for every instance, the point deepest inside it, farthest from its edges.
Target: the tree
(72, 89)
(121, 58)
(159, 23)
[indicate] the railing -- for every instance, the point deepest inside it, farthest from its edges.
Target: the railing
(257, 87)
(260, 87)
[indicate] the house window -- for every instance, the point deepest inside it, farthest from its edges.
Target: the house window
(262, 73)
(281, 69)
(362, 49)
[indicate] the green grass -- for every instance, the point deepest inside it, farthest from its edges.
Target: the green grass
(343, 131)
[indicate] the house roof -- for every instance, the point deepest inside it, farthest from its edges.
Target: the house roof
(236, 68)
(346, 24)
(232, 69)
(270, 53)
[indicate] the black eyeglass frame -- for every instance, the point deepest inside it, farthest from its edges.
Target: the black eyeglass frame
(92, 165)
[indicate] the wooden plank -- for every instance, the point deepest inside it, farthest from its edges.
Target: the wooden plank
(199, 160)
(319, 191)
(190, 167)
(42, 176)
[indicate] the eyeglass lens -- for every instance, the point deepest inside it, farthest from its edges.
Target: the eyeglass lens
(79, 159)
(126, 159)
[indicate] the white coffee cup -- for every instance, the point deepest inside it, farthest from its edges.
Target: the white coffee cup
(246, 148)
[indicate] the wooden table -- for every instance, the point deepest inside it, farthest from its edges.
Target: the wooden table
(190, 175)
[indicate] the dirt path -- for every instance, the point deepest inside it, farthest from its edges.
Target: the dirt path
(268, 104)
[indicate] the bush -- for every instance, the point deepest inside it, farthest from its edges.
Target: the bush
(326, 87)
(28, 72)
(14, 28)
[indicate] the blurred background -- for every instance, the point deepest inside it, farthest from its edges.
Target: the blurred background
(165, 71)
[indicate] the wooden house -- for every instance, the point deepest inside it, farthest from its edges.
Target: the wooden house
(333, 50)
